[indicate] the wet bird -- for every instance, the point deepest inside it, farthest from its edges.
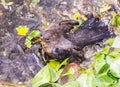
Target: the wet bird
(59, 43)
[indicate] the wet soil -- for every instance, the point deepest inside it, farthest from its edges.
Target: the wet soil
(18, 65)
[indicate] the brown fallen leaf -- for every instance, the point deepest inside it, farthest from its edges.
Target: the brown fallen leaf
(72, 67)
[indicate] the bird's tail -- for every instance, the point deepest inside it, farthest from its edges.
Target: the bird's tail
(90, 32)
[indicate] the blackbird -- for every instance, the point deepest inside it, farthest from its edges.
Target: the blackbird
(59, 43)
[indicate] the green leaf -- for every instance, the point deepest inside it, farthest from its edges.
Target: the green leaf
(48, 74)
(116, 20)
(28, 43)
(56, 85)
(111, 76)
(104, 68)
(86, 80)
(99, 62)
(99, 83)
(105, 78)
(72, 84)
(70, 74)
(32, 35)
(53, 75)
(77, 26)
(117, 84)
(106, 50)
(109, 41)
(46, 25)
(115, 68)
(109, 59)
(116, 43)
(45, 77)
(99, 56)
(115, 53)
(65, 62)
(54, 65)
(57, 65)
(42, 77)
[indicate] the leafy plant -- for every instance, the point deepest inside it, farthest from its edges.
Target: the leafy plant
(104, 71)
(49, 74)
(116, 20)
(32, 35)
(46, 25)
(80, 19)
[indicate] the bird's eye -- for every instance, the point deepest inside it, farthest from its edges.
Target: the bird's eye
(47, 40)
(41, 35)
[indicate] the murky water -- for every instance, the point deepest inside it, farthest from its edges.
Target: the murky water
(18, 65)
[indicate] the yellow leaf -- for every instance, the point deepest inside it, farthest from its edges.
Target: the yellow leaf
(22, 30)
(105, 8)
